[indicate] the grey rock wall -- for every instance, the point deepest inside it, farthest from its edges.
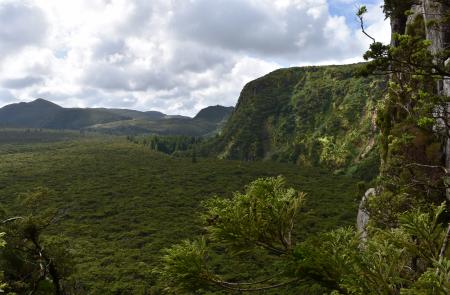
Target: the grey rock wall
(363, 216)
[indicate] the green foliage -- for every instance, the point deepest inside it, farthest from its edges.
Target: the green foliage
(2, 240)
(123, 203)
(332, 155)
(214, 113)
(184, 266)
(396, 260)
(263, 215)
(287, 114)
(30, 262)
(23, 137)
(435, 281)
(386, 208)
(392, 261)
(326, 258)
(397, 7)
(167, 126)
(167, 144)
(206, 123)
(412, 117)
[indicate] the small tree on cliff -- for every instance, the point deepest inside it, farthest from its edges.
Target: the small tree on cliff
(414, 117)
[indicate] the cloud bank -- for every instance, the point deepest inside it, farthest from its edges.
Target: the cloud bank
(175, 56)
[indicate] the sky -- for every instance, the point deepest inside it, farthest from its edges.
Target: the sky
(174, 56)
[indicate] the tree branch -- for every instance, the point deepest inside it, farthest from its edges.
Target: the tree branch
(362, 10)
(428, 166)
(11, 219)
(226, 285)
(444, 246)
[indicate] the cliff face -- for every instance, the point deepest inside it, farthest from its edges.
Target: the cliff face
(309, 116)
(438, 33)
(425, 21)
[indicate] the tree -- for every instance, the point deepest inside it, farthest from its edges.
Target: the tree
(405, 259)
(262, 217)
(414, 116)
(32, 263)
(406, 250)
(194, 155)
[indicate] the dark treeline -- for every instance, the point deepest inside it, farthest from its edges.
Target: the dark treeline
(167, 144)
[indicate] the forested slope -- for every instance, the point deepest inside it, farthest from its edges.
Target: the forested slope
(123, 203)
(306, 115)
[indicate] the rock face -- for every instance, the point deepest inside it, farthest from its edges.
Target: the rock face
(439, 35)
(363, 217)
(447, 81)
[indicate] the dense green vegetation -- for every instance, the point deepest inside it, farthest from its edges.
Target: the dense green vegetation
(169, 127)
(214, 113)
(406, 260)
(92, 215)
(171, 145)
(308, 116)
(206, 123)
(124, 203)
(402, 248)
(24, 137)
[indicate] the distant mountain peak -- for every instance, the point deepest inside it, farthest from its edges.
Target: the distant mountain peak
(43, 102)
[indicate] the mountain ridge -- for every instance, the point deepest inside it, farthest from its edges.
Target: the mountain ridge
(41, 113)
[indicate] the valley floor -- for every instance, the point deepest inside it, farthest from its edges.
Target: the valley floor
(123, 203)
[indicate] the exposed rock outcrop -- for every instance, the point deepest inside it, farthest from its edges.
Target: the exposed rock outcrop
(363, 216)
(439, 35)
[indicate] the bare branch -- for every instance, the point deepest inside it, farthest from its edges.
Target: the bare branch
(428, 166)
(12, 219)
(362, 10)
(226, 285)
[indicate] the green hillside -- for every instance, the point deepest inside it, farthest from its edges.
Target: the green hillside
(207, 122)
(123, 203)
(35, 114)
(309, 116)
(41, 113)
(169, 126)
(150, 115)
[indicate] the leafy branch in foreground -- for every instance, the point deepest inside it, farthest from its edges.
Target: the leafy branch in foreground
(404, 259)
(31, 263)
(400, 260)
(262, 217)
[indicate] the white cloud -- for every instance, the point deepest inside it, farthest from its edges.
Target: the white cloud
(22, 24)
(175, 56)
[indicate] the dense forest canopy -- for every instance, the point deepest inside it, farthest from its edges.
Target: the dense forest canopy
(109, 204)
(405, 245)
